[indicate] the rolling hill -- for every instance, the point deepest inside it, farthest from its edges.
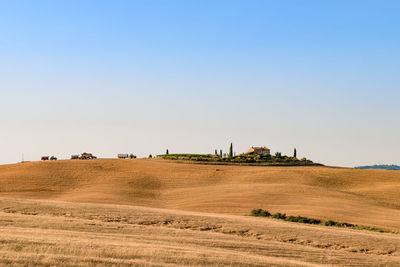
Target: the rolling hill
(366, 197)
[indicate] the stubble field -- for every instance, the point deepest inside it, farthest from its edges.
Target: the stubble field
(159, 213)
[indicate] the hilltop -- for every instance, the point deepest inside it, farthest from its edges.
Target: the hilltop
(366, 197)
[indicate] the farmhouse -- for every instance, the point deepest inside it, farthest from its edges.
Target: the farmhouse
(259, 151)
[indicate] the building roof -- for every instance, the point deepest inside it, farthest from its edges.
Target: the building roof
(259, 148)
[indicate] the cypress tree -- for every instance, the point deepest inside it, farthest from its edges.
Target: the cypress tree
(295, 153)
(167, 152)
(216, 153)
(231, 151)
(220, 153)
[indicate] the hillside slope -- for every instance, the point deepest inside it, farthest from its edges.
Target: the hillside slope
(367, 197)
(53, 233)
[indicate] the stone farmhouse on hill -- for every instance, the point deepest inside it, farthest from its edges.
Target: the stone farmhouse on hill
(259, 151)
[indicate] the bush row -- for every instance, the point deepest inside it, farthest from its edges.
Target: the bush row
(186, 155)
(239, 159)
(301, 219)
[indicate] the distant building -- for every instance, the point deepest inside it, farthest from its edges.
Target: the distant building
(259, 151)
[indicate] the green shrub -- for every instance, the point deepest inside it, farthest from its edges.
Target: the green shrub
(260, 213)
(186, 155)
(256, 212)
(314, 221)
(265, 213)
(301, 219)
(330, 223)
(346, 225)
(279, 215)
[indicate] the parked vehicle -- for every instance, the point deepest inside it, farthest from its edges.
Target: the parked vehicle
(75, 157)
(45, 158)
(53, 158)
(123, 156)
(87, 156)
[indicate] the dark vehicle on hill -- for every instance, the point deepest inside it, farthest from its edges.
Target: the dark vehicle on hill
(87, 156)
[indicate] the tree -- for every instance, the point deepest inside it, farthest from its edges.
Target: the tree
(216, 153)
(150, 156)
(231, 151)
(220, 153)
(278, 154)
(295, 153)
(167, 152)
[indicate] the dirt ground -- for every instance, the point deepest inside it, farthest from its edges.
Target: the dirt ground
(367, 197)
(152, 212)
(48, 233)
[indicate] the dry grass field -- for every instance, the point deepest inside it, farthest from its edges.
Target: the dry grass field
(48, 233)
(157, 213)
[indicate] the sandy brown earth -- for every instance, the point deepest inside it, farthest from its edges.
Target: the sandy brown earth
(43, 219)
(368, 197)
(48, 233)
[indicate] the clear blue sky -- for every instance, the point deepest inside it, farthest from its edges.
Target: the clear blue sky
(114, 77)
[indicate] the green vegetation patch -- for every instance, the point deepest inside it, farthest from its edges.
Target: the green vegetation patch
(191, 157)
(186, 155)
(243, 159)
(260, 212)
(301, 219)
